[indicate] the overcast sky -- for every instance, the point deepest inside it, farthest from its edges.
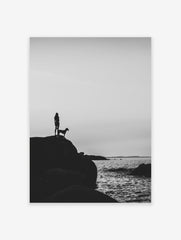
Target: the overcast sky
(101, 88)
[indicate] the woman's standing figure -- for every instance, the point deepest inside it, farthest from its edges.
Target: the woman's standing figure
(57, 124)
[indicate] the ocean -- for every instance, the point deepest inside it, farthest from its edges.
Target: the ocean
(119, 184)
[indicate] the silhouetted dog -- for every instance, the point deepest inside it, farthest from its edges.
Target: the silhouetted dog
(63, 131)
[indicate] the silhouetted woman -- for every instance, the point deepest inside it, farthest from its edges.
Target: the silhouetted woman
(56, 120)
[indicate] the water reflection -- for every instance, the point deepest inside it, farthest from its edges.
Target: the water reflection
(120, 185)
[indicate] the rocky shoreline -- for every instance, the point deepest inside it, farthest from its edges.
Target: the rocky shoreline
(58, 173)
(143, 170)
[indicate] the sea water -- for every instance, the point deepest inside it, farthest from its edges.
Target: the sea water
(120, 185)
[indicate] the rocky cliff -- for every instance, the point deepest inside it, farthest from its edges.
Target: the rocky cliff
(59, 173)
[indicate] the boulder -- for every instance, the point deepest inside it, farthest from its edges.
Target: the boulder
(52, 181)
(55, 164)
(79, 194)
(142, 170)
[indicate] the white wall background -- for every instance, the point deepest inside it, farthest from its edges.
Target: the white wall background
(21, 19)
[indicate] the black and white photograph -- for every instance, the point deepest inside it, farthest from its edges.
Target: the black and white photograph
(90, 119)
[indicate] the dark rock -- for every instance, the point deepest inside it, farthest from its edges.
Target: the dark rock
(79, 194)
(55, 164)
(51, 152)
(117, 170)
(94, 157)
(52, 181)
(142, 170)
(58, 152)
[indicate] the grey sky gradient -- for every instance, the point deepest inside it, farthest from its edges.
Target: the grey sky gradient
(101, 88)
